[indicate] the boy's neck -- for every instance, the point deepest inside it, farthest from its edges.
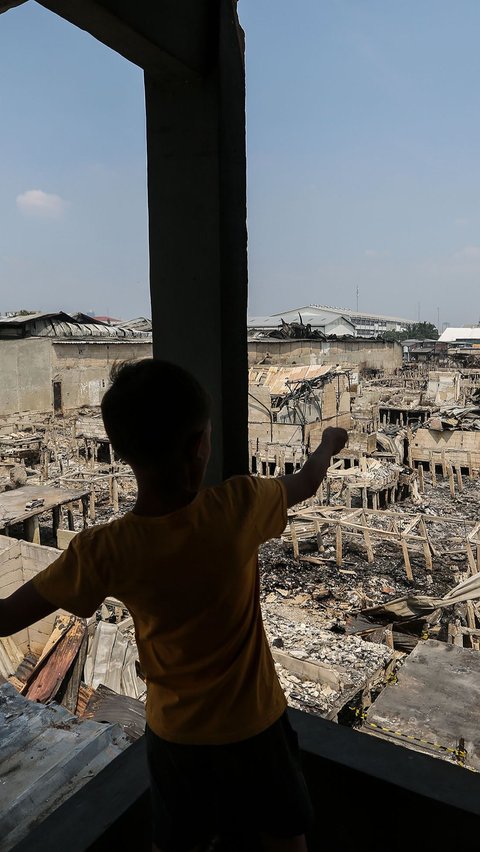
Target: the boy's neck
(153, 502)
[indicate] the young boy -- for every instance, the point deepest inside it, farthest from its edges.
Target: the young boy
(222, 755)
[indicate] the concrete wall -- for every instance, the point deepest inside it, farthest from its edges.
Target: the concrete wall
(364, 354)
(10, 566)
(443, 386)
(259, 404)
(333, 401)
(84, 369)
(28, 367)
(459, 447)
(25, 376)
(276, 433)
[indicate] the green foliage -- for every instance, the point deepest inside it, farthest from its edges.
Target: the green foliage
(414, 331)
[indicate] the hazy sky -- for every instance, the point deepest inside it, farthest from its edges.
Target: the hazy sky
(363, 129)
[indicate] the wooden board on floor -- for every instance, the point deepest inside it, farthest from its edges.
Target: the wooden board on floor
(434, 704)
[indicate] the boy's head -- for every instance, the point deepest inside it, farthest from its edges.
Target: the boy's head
(157, 415)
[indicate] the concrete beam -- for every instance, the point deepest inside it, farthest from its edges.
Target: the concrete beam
(168, 39)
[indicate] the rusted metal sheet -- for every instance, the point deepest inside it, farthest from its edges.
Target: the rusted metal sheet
(275, 378)
(84, 695)
(106, 706)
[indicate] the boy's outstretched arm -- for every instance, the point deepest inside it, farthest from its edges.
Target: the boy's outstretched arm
(302, 485)
(22, 608)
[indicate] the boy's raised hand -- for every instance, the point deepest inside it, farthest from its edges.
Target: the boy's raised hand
(335, 439)
(302, 485)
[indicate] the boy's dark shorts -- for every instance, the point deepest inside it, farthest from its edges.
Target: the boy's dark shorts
(245, 788)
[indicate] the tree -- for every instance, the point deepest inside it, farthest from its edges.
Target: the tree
(422, 331)
(414, 331)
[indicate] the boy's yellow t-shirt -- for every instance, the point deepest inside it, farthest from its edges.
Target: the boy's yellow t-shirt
(190, 580)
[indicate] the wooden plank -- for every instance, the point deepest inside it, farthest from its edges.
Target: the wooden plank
(328, 514)
(338, 545)
(411, 525)
(451, 480)
(47, 677)
(421, 481)
(64, 538)
(368, 545)
(459, 477)
(426, 547)
(70, 697)
(470, 557)
(293, 533)
(13, 651)
(62, 624)
(32, 529)
(7, 667)
(309, 670)
(406, 559)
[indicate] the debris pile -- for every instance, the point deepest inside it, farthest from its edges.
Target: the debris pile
(453, 417)
(321, 671)
(84, 667)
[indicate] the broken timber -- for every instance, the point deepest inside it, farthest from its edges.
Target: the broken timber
(405, 530)
(56, 660)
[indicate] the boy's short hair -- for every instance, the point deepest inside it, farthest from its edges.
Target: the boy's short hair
(151, 408)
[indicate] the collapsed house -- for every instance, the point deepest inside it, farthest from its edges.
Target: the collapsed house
(53, 362)
(450, 437)
(284, 401)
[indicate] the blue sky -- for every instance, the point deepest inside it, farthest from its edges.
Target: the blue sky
(363, 131)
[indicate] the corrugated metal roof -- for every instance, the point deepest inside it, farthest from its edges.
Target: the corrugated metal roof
(450, 335)
(64, 326)
(25, 318)
(314, 319)
(46, 755)
(275, 378)
(346, 312)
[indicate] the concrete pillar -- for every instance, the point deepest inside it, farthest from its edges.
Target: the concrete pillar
(197, 234)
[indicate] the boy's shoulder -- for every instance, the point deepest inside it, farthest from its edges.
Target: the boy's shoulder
(248, 492)
(97, 535)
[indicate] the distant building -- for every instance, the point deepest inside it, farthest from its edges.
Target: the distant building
(339, 321)
(327, 323)
(467, 334)
(107, 320)
(421, 350)
(374, 325)
(461, 343)
(55, 362)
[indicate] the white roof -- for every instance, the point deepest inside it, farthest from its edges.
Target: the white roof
(345, 312)
(452, 334)
(314, 318)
